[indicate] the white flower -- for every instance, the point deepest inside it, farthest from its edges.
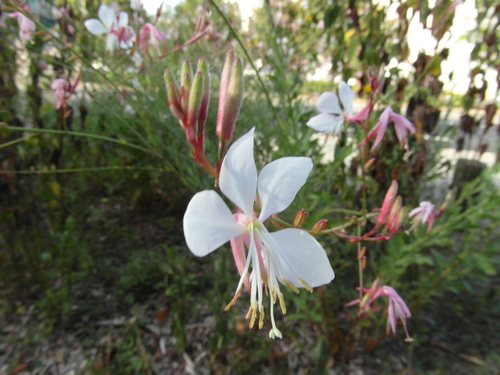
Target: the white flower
(332, 116)
(291, 256)
(119, 33)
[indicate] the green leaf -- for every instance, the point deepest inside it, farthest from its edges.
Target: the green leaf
(484, 263)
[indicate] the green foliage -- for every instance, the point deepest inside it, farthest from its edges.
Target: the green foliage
(93, 195)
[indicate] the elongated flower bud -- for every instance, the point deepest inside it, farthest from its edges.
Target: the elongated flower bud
(300, 218)
(231, 98)
(388, 201)
(394, 213)
(186, 78)
(194, 105)
(174, 99)
(224, 85)
(205, 96)
(319, 226)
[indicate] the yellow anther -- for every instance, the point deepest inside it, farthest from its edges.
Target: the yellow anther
(282, 304)
(291, 286)
(261, 318)
(305, 285)
(253, 316)
(233, 301)
(248, 312)
(274, 294)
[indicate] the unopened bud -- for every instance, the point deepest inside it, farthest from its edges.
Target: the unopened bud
(363, 263)
(230, 97)
(368, 164)
(173, 95)
(205, 96)
(394, 213)
(388, 201)
(398, 221)
(186, 78)
(319, 226)
(194, 103)
(361, 253)
(300, 218)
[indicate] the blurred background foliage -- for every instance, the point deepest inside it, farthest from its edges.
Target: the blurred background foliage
(94, 271)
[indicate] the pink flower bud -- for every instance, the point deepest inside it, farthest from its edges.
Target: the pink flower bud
(388, 201)
(319, 226)
(230, 97)
(205, 95)
(300, 218)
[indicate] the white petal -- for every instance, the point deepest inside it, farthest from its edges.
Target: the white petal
(94, 26)
(111, 41)
(122, 19)
(208, 223)
(346, 96)
(238, 174)
(300, 255)
(325, 122)
(328, 103)
(279, 183)
(106, 15)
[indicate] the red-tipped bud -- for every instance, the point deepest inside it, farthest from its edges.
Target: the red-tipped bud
(398, 221)
(230, 97)
(174, 98)
(205, 95)
(194, 104)
(394, 213)
(319, 226)
(300, 218)
(388, 201)
(186, 78)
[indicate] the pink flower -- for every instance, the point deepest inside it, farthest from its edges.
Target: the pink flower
(26, 26)
(61, 88)
(155, 36)
(397, 308)
(426, 213)
(401, 126)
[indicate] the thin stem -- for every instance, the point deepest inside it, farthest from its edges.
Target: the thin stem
(81, 134)
(250, 60)
(91, 169)
(360, 268)
(6, 144)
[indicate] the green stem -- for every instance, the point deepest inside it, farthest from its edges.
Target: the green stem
(91, 169)
(6, 144)
(80, 134)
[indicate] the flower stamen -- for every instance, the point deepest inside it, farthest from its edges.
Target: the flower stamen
(304, 284)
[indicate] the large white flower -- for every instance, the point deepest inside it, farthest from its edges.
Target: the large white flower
(291, 256)
(116, 27)
(332, 116)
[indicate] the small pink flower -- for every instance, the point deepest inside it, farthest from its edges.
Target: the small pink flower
(426, 213)
(397, 307)
(26, 26)
(401, 126)
(155, 36)
(61, 88)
